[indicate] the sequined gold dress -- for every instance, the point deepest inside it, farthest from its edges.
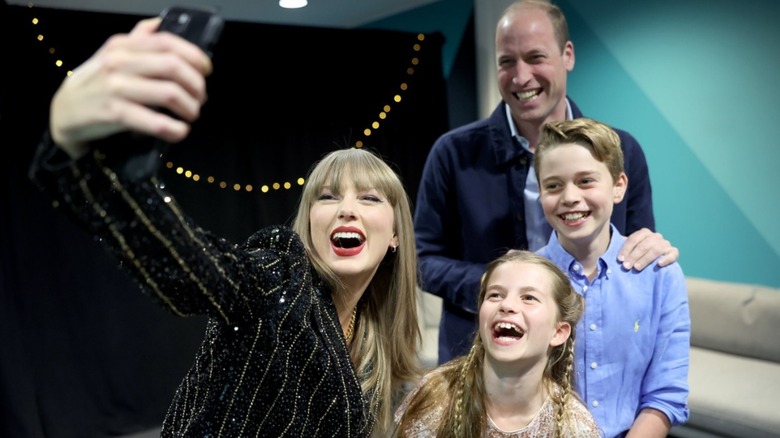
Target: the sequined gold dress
(273, 361)
(579, 425)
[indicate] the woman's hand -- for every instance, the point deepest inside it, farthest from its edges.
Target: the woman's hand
(119, 87)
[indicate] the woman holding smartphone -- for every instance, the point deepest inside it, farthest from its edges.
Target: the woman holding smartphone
(312, 328)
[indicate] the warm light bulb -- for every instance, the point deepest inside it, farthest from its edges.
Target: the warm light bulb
(292, 4)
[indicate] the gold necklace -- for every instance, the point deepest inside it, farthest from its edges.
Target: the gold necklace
(351, 327)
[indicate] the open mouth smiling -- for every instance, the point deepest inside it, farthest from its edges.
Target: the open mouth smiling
(528, 95)
(347, 240)
(574, 216)
(507, 330)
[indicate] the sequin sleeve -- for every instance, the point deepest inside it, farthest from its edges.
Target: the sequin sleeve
(116, 196)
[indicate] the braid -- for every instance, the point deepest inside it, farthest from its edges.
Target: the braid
(463, 376)
(565, 383)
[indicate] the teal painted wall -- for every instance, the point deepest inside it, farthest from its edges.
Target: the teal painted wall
(696, 82)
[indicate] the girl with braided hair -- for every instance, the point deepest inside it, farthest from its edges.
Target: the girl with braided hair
(517, 379)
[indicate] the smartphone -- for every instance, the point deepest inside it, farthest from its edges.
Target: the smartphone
(199, 26)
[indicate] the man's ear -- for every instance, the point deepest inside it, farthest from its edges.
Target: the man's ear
(568, 56)
(562, 333)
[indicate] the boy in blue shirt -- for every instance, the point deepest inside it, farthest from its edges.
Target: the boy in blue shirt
(632, 349)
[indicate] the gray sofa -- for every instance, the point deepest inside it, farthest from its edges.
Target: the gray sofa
(734, 374)
(735, 358)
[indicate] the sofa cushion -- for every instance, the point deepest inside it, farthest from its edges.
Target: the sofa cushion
(736, 318)
(733, 396)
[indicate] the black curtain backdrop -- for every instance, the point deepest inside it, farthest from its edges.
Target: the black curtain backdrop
(84, 353)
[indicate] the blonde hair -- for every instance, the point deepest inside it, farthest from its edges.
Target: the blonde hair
(601, 140)
(387, 336)
(459, 387)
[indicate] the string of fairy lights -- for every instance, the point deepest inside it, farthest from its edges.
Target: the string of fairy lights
(222, 183)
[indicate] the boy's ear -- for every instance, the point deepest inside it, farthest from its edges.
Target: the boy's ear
(621, 185)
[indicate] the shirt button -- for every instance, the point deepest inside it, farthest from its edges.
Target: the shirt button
(593, 365)
(595, 403)
(593, 327)
(584, 288)
(576, 267)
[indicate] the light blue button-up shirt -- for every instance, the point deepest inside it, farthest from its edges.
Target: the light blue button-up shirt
(537, 228)
(632, 346)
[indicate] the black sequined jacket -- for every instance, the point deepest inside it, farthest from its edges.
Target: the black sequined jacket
(274, 361)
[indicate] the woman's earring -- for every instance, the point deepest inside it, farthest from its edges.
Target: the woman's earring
(393, 249)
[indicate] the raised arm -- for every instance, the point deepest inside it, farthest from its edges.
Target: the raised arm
(124, 87)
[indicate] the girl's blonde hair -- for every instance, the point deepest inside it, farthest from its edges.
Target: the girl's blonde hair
(387, 336)
(459, 387)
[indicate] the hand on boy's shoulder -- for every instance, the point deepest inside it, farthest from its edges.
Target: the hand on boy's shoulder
(643, 247)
